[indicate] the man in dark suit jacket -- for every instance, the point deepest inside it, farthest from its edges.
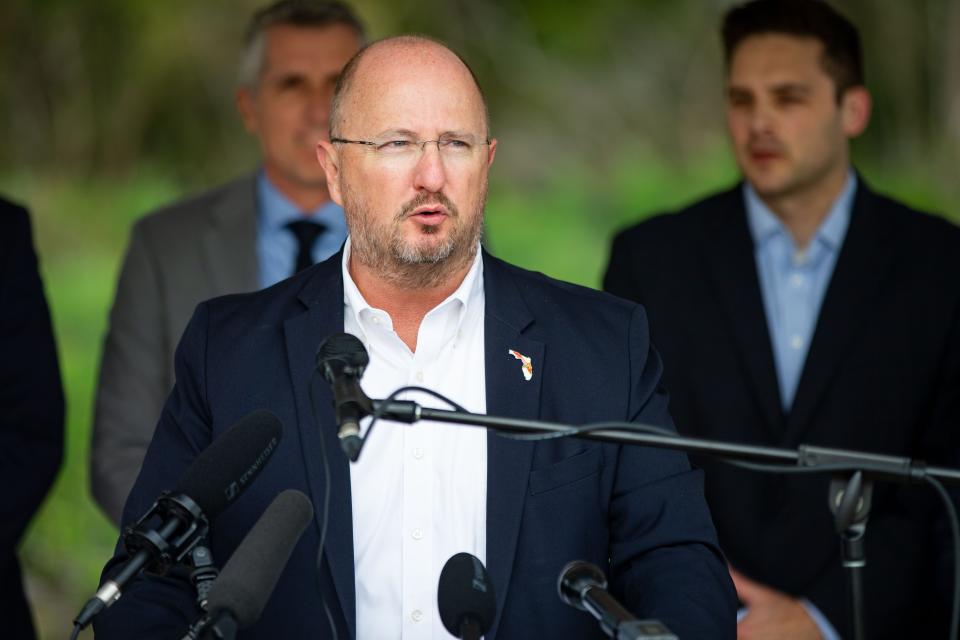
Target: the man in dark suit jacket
(234, 238)
(802, 308)
(635, 511)
(31, 406)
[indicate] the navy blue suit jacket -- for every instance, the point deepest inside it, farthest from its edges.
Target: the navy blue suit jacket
(638, 513)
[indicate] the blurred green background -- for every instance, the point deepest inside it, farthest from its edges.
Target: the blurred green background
(606, 112)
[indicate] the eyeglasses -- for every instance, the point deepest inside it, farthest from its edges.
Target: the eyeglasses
(405, 150)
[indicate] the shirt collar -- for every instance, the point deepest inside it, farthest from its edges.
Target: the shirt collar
(467, 296)
(764, 224)
(276, 211)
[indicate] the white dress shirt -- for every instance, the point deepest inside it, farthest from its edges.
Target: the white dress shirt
(419, 492)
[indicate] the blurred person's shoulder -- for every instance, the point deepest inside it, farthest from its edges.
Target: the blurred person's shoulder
(912, 226)
(669, 231)
(229, 203)
(924, 246)
(13, 215)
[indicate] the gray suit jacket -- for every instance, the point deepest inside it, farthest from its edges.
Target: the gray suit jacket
(178, 256)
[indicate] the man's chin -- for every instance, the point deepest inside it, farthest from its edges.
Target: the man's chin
(768, 184)
(425, 253)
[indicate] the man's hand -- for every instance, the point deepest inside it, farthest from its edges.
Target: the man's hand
(771, 614)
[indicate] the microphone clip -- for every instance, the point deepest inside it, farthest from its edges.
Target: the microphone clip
(168, 545)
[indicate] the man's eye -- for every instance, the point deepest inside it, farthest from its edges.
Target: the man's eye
(789, 99)
(455, 144)
(290, 82)
(394, 145)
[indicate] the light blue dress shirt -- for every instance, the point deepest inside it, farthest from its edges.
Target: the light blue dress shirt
(277, 246)
(793, 281)
(792, 284)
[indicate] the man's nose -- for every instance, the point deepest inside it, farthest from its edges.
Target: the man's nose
(761, 118)
(430, 173)
(317, 107)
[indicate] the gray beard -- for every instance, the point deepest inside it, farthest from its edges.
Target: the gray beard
(382, 249)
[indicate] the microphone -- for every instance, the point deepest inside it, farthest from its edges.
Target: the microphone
(583, 586)
(241, 592)
(465, 597)
(216, 478)
(342, 358)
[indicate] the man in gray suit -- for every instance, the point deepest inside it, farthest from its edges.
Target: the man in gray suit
(247, 234)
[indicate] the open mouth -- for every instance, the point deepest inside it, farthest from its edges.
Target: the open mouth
(429, 215)
(764, 156)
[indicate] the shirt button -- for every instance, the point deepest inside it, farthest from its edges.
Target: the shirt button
(417, 615)
(417, 534)
(417, 453)
(419, 376)
(796, 341)
(376, 320)
(796, 280)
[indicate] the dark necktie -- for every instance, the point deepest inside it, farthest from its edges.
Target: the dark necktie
(306, 233)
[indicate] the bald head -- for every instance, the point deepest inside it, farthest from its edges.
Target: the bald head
(401, 59)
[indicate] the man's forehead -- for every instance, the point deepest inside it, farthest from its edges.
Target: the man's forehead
(403, 62)
(327, 45)
(415, 86)
(777, 59)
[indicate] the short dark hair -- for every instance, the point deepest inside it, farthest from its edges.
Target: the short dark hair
(298, 13)
(345, 80)
(842, 55)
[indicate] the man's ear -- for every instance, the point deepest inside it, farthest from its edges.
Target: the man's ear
(855, 107)
(491, 152)
(329, 159)
(244, 100)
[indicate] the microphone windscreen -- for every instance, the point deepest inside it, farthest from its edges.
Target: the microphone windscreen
(465, 590)
(225, 469)
(574, 578)
(343, 351)
(247, 580)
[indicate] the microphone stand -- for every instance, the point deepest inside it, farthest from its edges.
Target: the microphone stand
(850, 504)
(850, 495)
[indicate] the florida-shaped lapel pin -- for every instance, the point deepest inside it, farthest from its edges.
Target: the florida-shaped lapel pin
(526, 364)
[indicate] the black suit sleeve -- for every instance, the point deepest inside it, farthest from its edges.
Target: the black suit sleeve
(31, 397)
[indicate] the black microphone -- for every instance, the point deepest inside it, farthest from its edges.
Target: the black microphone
(465, 597)
(216, 478)
(583, 586)
(244, 586)
(342, 359)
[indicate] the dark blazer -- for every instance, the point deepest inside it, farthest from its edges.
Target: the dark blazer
(31, 406)
(882, 374)
(178, 256)
(637, 512)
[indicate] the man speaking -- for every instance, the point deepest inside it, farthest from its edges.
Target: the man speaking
(408, 159)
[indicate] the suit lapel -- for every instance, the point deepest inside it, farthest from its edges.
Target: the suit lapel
(861, 268)
(229, 241)
(730, 267)
(508, 394)
(322, 297)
